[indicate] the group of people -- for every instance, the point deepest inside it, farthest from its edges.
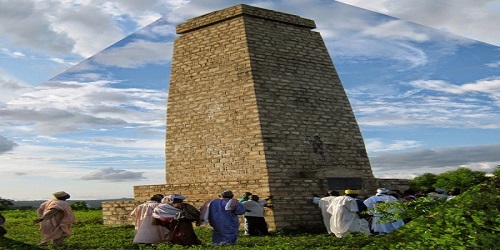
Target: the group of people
(165, 219)
(169, 219)
(348, 214)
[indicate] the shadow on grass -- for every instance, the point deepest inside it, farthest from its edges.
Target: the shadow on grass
(6, 243)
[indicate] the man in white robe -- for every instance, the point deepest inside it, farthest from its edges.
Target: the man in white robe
(146, 231)
(382, 197)
(344, 215)
(323, 204)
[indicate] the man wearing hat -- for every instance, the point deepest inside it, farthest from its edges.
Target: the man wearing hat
(56, 218)
(345, 218)
(169, 212)
(222, 215)
(385, 227)
(146, 230)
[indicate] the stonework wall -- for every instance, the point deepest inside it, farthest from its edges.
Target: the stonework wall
(255, 104)
(393, 184)
(117, 213)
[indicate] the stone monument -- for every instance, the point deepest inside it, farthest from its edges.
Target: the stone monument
(255, 104)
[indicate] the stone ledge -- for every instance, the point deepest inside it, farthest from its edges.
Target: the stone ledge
(242, 10)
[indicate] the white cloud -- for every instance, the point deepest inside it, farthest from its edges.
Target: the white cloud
(84, 28)
(494, 64)
(480, 158)
(27, 25)
(135, 54)
(113, 175)
(375, 145)
(6, 145)
(486, 86)
(462, 17)
(57, 107)
(10, 88)
(397, 30)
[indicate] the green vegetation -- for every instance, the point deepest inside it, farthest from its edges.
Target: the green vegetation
(468, 221)
(89, 233)
(5, 203)
(462, 178)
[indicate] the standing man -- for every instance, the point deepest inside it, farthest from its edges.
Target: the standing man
(345, 215)
(382, 197)
(147, 231)
(56, 218)
(2, 230)
(222, 215)
(254, 217)
(323, 204)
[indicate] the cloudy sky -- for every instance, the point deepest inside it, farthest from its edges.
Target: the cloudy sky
(83, 87)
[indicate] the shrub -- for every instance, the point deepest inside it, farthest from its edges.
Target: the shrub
(5, 203)
(468, 221)
(423, 182)
(462, 178)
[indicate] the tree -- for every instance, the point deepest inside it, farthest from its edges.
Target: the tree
(79, 205)
(5, 204)
(423, 183)
(462, 178)
(496, 171)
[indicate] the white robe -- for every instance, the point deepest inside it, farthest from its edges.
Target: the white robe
(145, 231)
(344, 217)
(385, 227)
(323, 204)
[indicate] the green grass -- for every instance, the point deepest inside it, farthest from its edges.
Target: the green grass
(89, 233)
(469, 221)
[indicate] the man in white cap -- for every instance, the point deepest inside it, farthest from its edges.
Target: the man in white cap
(222, 215)
(56, 218)
(382, 197)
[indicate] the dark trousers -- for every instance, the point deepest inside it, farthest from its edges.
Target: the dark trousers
(257, 226)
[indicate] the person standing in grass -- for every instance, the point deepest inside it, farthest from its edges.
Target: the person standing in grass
(56, 218)
(2, 230)
(254, 216)
(378, 227)
(147, 231)
(222, 215)
(181, 228)
(345, 215)
(323, 204)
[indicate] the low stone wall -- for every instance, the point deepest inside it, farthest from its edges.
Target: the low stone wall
(117, 213)
(394, 184)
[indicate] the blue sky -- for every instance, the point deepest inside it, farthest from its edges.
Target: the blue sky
(84, 84)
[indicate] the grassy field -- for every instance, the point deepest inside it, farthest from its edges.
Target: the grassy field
(468, 221)
(89, 233)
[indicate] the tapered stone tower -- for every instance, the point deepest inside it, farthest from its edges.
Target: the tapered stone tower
(255, 104)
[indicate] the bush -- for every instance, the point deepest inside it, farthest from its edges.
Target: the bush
(5, 204)
(468, 221)
(423, 183)
(462, 178)
(79, 206)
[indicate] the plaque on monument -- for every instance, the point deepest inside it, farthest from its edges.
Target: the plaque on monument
(344, 183)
